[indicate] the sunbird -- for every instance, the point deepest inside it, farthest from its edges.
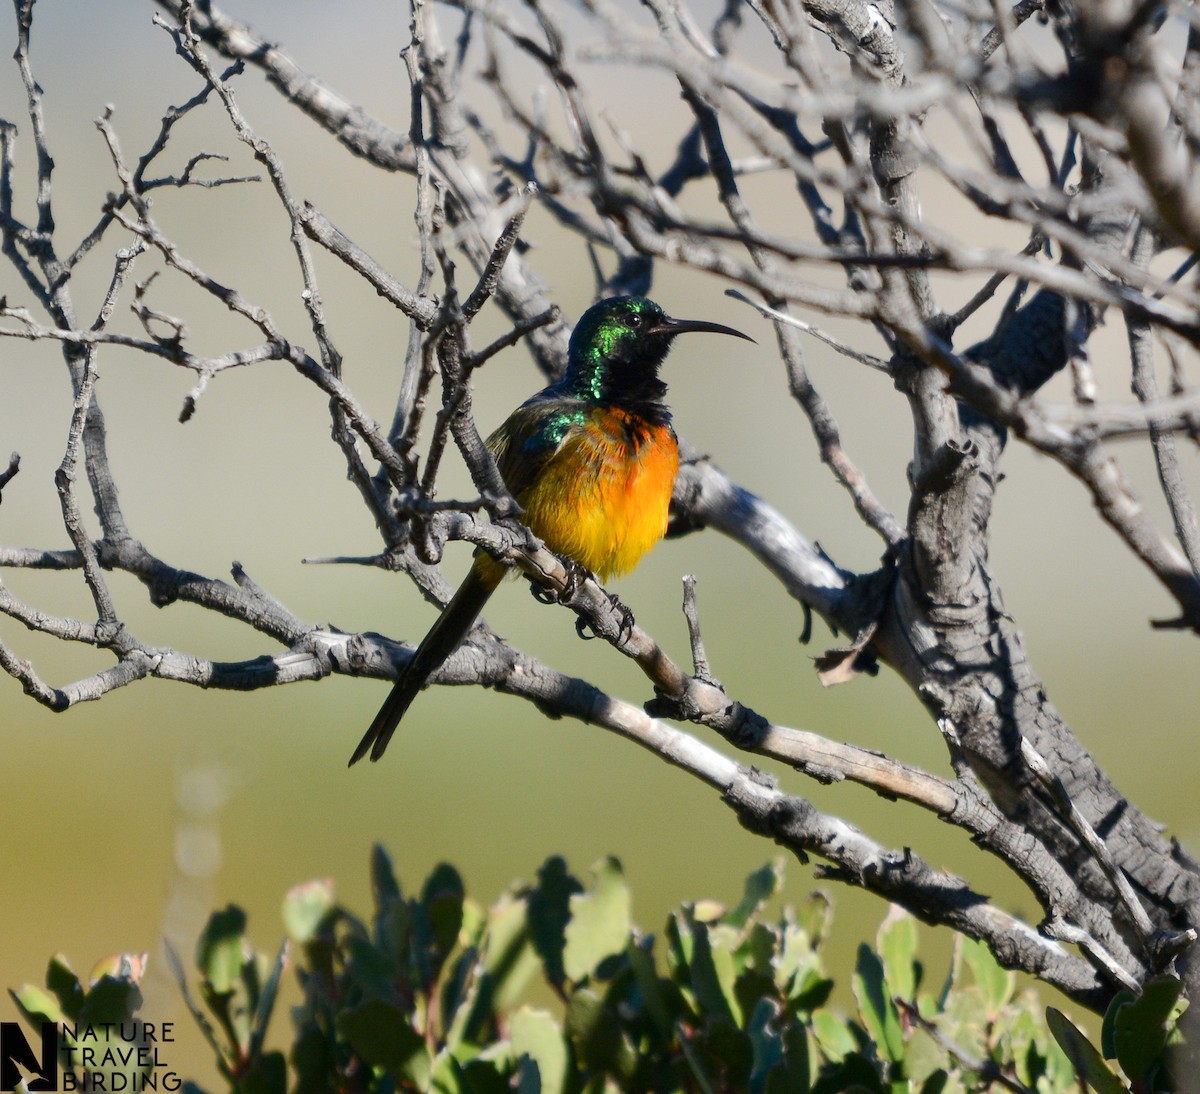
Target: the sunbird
(591, 460)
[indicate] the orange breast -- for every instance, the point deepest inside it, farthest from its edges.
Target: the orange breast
(602, 498)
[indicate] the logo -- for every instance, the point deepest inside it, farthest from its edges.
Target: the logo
(18, 1060)
(122, 1057)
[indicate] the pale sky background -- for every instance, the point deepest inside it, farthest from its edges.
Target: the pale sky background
(133, 817)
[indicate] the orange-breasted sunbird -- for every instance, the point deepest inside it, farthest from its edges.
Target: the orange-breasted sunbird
(591, 460)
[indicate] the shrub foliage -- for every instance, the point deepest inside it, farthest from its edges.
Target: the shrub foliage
(554, 989)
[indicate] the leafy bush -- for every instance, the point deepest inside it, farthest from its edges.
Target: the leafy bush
(427, 995)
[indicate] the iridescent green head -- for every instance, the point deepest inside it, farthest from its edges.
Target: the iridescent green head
(618, 346)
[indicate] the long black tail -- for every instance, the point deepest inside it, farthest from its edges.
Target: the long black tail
(451, 627)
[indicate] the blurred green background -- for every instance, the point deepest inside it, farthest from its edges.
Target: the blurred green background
(129, 819)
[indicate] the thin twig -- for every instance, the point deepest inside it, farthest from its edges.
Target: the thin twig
(987, 1070)
(700, 666)
(6, 476)
(1079, 824)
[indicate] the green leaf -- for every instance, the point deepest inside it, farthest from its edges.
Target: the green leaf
(964, 1018)
(266, 1003)
(591, 1026)
(679, 947)
(266, 1075)
(549, 911)
(474, 924)
(727, 1053)
(380, 1033)
(596, 1034)
(935, 1082)
(485, 1075)
(177, 971)
(37, 1005)
(458, 994)
(67, 989)
(833, 1035)
(924, 1058)
(306, 909)
(1109, 1027)
(640, 953)
(368, 968)
(853, 1075)
(1089, 1065)
(529, 1076)
(508, 962)
(798, 966)
(535, 1035)
(1141, 1027)
(600, 921)
(110, 1000)
(393, 932)
(712, 979)
(765, 1042)
(760, 886)
(750, 989)
(509, 959)
(449, 1077)
(897, 946)
(810, 992)
(384, 886)
(1059, 1071)
(313, 1061)
(120, 966)
(759, 949)
(792, 1075)
(996, 983)
(815, 918)
(442, 898)
(876, 1006)
(953, 979)
(1027, 1042)
(220, 952)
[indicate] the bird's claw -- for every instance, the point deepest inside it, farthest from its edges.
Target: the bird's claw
(576, 576)
(627, 621)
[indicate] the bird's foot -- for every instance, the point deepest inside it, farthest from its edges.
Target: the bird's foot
(627, 621)
(542, 593)
(576, 576)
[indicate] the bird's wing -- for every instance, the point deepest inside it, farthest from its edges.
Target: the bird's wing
(531, 435)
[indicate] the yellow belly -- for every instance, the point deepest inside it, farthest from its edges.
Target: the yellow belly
(602, 498)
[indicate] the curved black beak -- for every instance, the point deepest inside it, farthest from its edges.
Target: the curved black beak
(672, 327)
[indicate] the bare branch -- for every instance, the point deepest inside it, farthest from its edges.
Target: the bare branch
(418, 308)
(6, 476)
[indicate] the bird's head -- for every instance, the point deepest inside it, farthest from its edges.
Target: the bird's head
(619, 344)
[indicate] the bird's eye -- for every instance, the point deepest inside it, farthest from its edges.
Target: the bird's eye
(634, 320)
